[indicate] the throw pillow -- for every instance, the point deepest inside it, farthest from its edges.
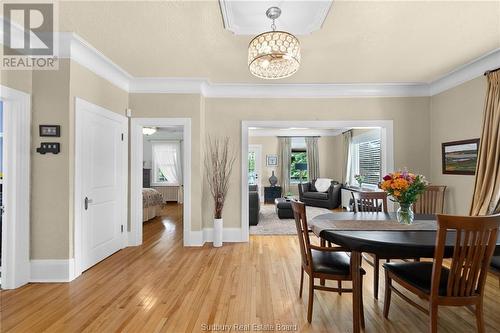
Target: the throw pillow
(322, 184)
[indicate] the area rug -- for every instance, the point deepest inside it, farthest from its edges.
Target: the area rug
(270, 224)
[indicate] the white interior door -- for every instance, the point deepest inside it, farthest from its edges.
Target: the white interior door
(102, 151)
(255, 167)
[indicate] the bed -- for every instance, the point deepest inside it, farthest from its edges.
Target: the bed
(152, 203)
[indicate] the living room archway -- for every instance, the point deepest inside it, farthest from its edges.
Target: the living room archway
(296, 126)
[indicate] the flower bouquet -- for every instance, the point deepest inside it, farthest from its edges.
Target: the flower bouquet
(404, 187)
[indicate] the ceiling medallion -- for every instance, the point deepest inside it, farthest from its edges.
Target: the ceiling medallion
(274, 54)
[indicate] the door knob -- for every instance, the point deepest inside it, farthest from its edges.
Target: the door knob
(86, 202)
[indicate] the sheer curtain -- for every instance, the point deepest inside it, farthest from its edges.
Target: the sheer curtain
(167, 159)
(285, 159)
(486, 198)
(312, 157)
(346, 159)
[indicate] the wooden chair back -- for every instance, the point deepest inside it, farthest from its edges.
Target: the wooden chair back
(299, 213)
(475, 242)
(370, 201)
(431, 201)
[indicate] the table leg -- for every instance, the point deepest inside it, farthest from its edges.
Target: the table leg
(356, 291)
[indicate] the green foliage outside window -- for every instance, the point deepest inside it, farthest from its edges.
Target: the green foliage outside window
(298, 157)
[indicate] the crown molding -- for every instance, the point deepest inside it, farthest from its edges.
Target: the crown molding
(466, 72)
(77, 49)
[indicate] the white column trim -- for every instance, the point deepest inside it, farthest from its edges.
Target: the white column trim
(16, 219)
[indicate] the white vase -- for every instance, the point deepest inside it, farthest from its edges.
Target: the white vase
(218, 232)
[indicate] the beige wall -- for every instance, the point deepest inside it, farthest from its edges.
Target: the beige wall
(50, 225)
(410, 117)
(455, 114)
(19, 80)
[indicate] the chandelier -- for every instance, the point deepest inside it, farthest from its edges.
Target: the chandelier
(274, 54)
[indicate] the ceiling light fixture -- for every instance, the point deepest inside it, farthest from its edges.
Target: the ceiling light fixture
(148, 130)
(274, 54)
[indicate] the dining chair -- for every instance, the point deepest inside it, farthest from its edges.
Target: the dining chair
(328, 263)
(463, 283)
(431, 201)
(371, 202)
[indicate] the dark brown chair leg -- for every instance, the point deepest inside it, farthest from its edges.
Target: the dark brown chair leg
(480, 317)
(311, 299)
(301, 281)
(376, 269)
(322, 242)
(433, 312)
(339, 285)
(387, 295)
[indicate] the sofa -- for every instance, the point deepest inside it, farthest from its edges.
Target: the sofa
(329, 199)
(253, 204)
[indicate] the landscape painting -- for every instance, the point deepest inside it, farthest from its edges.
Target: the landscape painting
(460, 157)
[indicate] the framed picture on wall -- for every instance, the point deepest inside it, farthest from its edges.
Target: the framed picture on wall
(460, 157)
(272, 160)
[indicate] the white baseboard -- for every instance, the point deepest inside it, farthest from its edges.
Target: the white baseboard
(61, 270)
(200, 237)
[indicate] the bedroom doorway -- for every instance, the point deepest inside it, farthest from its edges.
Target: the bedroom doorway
(160, 178)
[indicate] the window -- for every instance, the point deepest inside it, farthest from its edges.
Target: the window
(298, 160)
(366, 157)
(166, 163)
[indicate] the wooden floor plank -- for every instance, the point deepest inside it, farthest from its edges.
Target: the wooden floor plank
(163, 287)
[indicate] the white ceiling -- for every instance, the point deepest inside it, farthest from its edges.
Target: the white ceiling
(360, 42)
(297, 17)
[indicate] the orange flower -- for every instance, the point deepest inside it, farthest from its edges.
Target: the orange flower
(397, 193)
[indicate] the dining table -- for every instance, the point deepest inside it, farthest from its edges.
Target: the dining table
(381, 234)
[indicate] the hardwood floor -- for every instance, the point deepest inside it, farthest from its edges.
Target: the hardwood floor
(163, 287)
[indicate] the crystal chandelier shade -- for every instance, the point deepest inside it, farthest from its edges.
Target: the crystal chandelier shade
(274, 54)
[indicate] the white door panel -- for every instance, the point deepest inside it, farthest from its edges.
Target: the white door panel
(102, 185)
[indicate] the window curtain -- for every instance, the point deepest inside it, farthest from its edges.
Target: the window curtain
(285, 158)
(346, 156)
(312, 158)
(166, 156)
(486, 198)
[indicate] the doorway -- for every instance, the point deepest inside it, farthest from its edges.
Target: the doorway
(101, 159)
(159, 175)
(15, 175)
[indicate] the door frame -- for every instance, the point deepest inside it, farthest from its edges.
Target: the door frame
(16, 188)
(81, 106)
(136, 166)
(258, 148)
(387, 136)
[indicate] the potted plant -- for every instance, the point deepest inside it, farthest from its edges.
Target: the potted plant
(360, 179)
(219, 161)
(404, 187)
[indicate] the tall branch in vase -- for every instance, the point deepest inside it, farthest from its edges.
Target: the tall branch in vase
(219, 161)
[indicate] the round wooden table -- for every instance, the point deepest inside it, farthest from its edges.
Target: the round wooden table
(407, 244)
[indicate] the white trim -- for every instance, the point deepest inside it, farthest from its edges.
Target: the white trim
(47, 271)
(16, 187)
(82, 106)
(136, 155)
(261, 167)
(466, 72)
(73, 46)
(387, 137)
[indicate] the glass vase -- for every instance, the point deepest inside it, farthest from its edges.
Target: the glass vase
(405, 213)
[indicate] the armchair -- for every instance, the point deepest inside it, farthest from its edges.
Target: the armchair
(311, 197)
